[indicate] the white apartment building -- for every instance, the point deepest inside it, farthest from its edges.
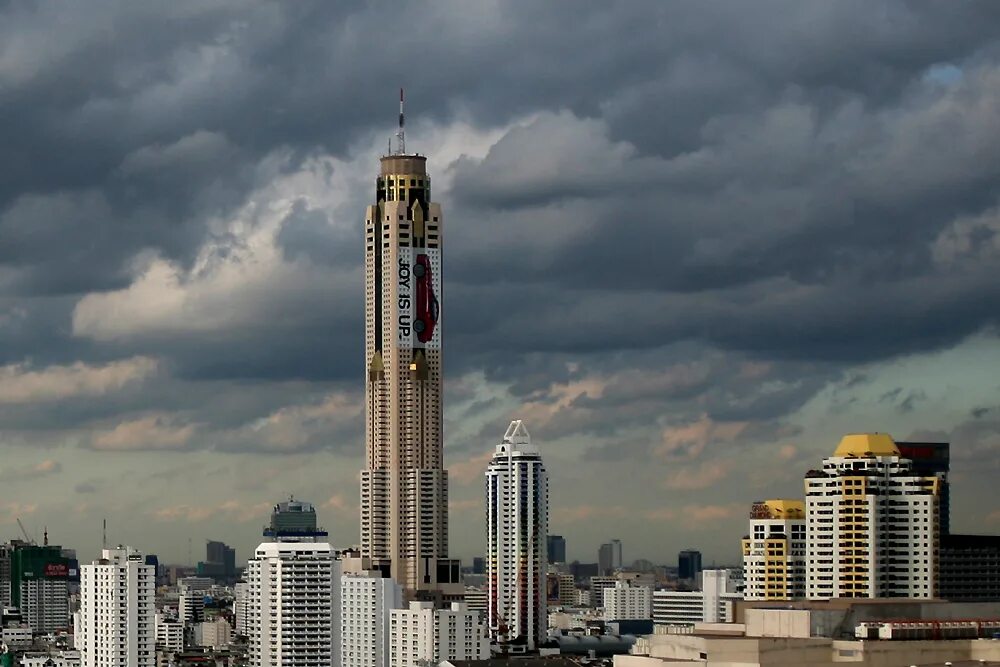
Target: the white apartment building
(294, 614)
(872, 524)
(714, 603)
(169, 634)
(115, 624)
(58, 659)
(366, 603)
(422, 633)
(625, 602)
(517, 493)
(241, 605)
(774, 551)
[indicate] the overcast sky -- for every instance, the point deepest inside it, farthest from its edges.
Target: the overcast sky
(690, 244)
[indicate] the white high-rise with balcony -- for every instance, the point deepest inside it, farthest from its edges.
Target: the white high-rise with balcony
(872, 523)
(294, 610)
(366, 602)
(517, 493)
(116, 625)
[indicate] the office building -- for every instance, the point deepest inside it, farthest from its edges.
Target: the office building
(477, 600)
(40, 586)
(219, 563)
(294, 521)
(606, 558)
(191, 606)
(294, 614)
(556, 548)
(404, 486)
(688, 564)
(478, 565)
(116, 626)
(366, 602)
(625, 602)
(714, 603)
(774, 552)
(872, 524)
(560, 589)
(969, 568)
(421, 635)
(517, 492)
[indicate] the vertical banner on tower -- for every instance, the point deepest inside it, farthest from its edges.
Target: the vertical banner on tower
(419, 288)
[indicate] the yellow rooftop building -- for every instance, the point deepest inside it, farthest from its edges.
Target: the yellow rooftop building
(863, 445)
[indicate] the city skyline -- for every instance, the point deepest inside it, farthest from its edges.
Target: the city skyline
(690, 280)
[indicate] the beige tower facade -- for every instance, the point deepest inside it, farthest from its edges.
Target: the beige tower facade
(404, 487)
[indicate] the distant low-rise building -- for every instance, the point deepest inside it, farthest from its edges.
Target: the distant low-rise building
(715, 603)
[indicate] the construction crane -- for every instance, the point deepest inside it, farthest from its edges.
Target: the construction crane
(27, 538)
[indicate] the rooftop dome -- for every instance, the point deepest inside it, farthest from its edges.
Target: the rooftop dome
(867, 444)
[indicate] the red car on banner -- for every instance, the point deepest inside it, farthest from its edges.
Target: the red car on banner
(427, 304)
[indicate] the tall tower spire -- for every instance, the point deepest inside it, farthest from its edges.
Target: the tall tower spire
(400, 133)
(404, 486)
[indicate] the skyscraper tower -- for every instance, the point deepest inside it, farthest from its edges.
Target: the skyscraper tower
(404, 487)
(517, 493)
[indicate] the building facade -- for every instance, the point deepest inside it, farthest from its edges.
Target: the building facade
(517, 492)
(625, 602)
(116, 626)
(421, 635)
(556, 548)
(169, 634)
(294, 614)
(969, 568)
(872, 524)
(40, 586)
(366, 603)
(774, 552)
(294, 521)
(241, 607)
(404, 486)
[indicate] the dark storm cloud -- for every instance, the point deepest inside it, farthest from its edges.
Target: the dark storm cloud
(804, 186)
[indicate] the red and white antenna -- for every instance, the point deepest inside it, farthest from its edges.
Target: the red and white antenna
(400, 134)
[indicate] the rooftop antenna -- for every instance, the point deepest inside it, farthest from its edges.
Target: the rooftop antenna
(400, 135)
(104, 535)
(45, 536)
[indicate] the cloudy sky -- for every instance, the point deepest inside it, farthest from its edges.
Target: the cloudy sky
(689, 243)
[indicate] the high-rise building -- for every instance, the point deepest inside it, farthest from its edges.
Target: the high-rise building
(774, 552)
(219, 563)
(115, 626)
(241, 607)
(294, 521)
(294, 615)
(404, 486)
(616, 555)
(366, 602)
(517, 492)
(6, 551)
(423, 635)
(688, 564)
(40, 586)
(872, 523)
(556, 548)
(627, 602)
(605, 559)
